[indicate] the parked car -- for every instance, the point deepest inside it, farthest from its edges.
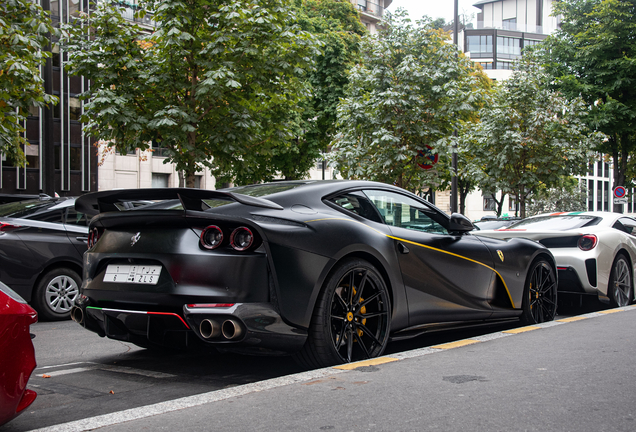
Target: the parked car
(17, 356)
(327, 270)
(595, 252)
(41, 247)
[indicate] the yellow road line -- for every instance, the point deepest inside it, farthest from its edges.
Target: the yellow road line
(456, 344)
(609, 311)
(370, 362)
(521, 329)
(572, 319)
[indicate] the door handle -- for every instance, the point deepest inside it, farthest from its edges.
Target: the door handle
(402, 248)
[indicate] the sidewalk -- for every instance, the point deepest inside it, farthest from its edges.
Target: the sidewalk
(576, 374)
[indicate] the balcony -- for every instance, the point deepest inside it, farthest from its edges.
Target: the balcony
(510, 26)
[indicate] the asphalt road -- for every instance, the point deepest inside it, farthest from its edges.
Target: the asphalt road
(81, 375)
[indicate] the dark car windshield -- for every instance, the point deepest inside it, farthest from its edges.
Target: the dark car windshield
(25, 209)
(557, 222)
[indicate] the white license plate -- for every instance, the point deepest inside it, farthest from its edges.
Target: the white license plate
(135, 274)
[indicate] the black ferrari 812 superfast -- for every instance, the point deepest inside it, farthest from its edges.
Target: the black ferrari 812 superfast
(329, 271)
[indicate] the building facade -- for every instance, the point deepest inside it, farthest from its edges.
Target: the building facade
(60, 157)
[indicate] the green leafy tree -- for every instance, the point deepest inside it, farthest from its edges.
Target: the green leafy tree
(24, 31)
(336, 24)
(217, 83)
(569, 196)
(530, 136)
(410, 91)
(592, 56)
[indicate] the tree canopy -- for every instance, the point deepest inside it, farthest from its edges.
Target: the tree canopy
(214, 84)
(531, 137)
(24, 31)
(336, 24)
(410, 91)
(593, 55)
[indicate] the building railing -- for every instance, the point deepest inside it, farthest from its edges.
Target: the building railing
(511, 26)
(371, 8)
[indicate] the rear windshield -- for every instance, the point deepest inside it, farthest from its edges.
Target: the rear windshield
(261, 190)
(559, 223)
(24, 209)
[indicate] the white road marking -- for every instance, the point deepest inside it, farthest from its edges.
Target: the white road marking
(97, 366)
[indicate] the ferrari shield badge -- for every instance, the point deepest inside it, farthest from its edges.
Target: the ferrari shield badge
(500, 253)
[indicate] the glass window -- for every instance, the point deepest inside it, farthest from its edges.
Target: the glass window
(359, 204)
(510, 24)
(75, 108)
(590, 195)
(489, 203)
(74, 217)
(504, 65)
(626, 224)
(508, 47)
(76, 158)
(479, 45)
(160, 180)
(404, 212)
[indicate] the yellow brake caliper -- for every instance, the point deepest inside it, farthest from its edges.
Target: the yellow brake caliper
(363, 310)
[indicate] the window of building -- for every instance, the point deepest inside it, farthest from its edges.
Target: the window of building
(489, 203)
(508, 47)
(530, 43)
(160, 180)
(590, 195)
(606, 196)
(479, 45)
(76, 158)
(504, 65)
(485, 65)
(599, 169)
(606, 169)
(599, 195)
(197, 181)
(510, 24)
(75, 108)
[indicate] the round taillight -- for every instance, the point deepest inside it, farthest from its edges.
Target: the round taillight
(93, 237)
(587, 242)
(242, 238)
(211, 237)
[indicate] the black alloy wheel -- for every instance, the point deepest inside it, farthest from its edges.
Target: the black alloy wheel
(619, 289)
(540, 293)
(352, 317)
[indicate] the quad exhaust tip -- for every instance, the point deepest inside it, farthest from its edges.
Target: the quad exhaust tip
(209, 329)
(77, 315)
(231, 329)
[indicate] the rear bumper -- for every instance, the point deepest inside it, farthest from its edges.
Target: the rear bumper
(249, 327)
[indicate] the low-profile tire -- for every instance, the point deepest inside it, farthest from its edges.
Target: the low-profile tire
(55, 294)
(619, 289)
(352, 317)
(540, 293)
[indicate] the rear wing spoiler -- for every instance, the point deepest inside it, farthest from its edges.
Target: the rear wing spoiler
(192, 199)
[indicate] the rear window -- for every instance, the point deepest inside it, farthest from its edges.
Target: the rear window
(261, 190)
(25, 209)
(559, 223)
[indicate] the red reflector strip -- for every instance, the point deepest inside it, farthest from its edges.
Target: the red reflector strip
(562, 268)
(211, 305)
(7, 226)
(142, 313)
(173, 314)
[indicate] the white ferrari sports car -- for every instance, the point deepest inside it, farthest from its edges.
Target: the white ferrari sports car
(595, 252)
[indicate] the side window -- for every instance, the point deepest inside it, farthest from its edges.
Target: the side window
(54, 216)
(626, 224)
(74, 217)
(357, 203)
(404, 212)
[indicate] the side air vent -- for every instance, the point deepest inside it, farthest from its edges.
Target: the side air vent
(590, 267)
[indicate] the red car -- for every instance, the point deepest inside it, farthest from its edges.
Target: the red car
(17, 356)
